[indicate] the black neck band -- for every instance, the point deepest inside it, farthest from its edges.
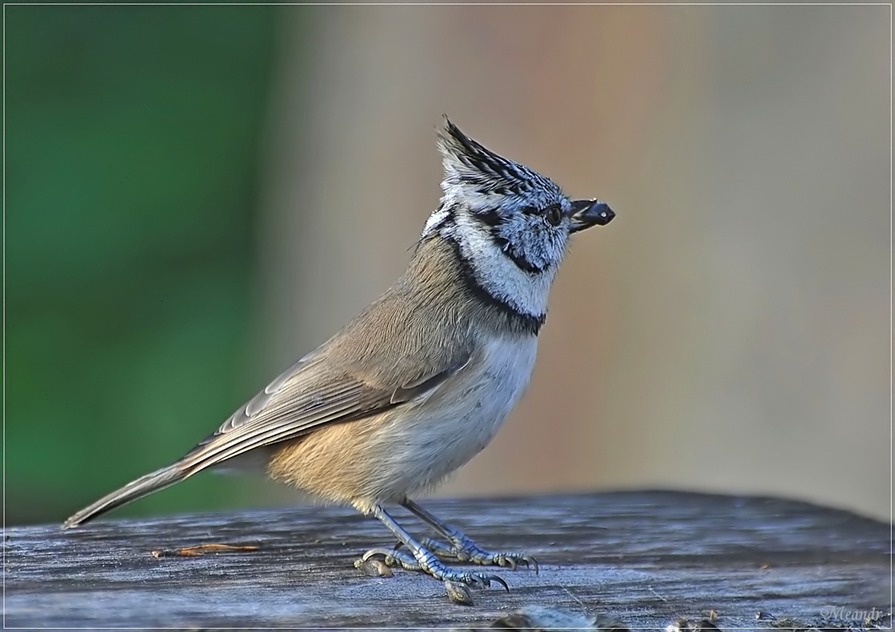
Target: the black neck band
(519, 321)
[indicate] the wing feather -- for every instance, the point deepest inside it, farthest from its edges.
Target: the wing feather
(306, 396)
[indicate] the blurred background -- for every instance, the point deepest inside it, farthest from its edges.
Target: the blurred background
(196, 196)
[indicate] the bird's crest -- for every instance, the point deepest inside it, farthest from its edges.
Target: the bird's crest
(467, 164)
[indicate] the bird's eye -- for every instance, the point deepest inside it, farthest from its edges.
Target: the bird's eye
(554, 215)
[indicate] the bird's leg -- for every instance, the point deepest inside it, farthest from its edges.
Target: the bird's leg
(424, 560)
(461, 547)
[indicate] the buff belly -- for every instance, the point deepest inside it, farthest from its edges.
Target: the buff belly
(411, 448)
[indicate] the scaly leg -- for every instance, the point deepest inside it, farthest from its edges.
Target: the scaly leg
(423, 559)
(461, 547)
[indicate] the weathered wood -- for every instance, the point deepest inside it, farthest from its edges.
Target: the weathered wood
(643, 558)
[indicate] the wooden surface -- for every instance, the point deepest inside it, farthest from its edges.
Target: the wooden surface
(644, 559)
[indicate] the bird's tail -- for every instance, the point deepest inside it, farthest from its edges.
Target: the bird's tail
(143, 486)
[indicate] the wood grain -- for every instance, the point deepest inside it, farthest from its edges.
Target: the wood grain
(643, 558)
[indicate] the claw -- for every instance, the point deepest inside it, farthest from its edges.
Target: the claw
(531, 562)
(386, 553)
(498, 580)
(478, 580)
(391, 558)
(504, 560)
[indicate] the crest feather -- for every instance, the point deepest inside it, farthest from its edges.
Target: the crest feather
(468, 163)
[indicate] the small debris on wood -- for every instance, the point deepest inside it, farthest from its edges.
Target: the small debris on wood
(373, 567)
(458, 593)
(685, 625)
(202, 549)
(542, 618)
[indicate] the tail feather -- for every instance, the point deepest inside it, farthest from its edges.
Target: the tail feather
(143, 486)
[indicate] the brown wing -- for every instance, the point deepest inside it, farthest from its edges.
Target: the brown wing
(307, 396)
(401, 347)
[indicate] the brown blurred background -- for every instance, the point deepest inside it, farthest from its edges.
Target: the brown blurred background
(728, 332)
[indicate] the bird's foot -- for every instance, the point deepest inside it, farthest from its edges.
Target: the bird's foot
(423, 560)
(418, 558)
(462, 549)
(392, 558)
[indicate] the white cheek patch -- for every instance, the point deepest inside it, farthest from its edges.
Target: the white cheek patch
(496, 272)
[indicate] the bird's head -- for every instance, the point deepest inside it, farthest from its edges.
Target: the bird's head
(511, 224)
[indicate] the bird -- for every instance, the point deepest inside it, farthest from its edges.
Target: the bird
(421, 380)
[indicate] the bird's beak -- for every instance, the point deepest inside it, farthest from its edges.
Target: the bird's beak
(587, 213)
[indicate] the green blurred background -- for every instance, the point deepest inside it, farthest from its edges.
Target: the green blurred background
(198, 195)
(132, 146)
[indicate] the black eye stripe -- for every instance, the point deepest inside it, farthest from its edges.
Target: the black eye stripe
(534, 210)
(521, 262)
(490, 217)
(553, 214)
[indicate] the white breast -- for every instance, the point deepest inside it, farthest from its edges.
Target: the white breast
(462, 417)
